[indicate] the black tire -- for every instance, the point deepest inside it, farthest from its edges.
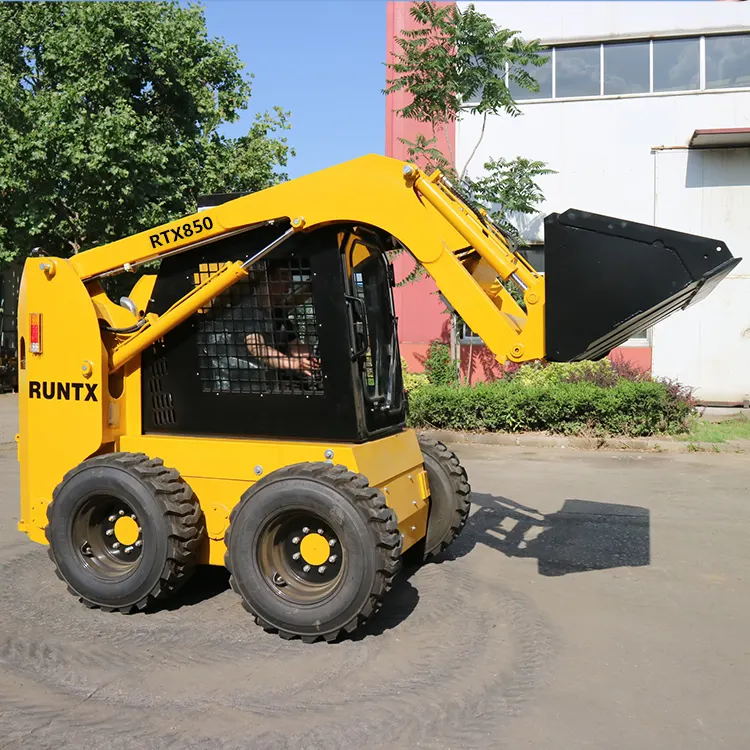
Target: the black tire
(450, 496)
(261, 539)
(169, 521)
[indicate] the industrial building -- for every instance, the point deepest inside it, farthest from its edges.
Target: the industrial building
(644, 114)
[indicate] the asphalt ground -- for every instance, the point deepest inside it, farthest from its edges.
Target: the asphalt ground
(594, 600)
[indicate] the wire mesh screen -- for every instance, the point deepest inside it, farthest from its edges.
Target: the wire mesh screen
(261, 335)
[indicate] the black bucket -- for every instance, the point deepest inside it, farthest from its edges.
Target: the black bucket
(606, 279)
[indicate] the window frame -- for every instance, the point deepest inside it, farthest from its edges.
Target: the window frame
(551, 51)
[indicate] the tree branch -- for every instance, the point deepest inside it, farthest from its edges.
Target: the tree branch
(450, 151)
(474, 151)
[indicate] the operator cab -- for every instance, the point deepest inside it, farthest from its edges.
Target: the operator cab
(305, 348)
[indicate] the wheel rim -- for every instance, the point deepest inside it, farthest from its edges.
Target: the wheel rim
(107, 536)
(300, 557)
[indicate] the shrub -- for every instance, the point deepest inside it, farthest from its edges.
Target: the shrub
(599, 373)
(412, 380)
(628, 408)
(439, 367)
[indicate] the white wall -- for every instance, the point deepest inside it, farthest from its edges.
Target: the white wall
(579, 21)
(605, 151)
(708, 346)
(600, 148)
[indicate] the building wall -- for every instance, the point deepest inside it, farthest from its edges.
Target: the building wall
(627, 156)
(422, 317)
(581, 21)
(708, 346)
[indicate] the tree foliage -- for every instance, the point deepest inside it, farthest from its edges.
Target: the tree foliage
(109, 122)
(453, 64)
(457, 63)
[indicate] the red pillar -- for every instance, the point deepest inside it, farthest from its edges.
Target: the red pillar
(422, 317)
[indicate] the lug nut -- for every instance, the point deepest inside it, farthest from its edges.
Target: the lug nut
(332, 559)
(122, 512)
(305, 530)
(129, 549)
(322, 569)
(132, 515)
(116, 545)
(331, 542)
(320, 531)
(306, 568)
(295, 556)
(295, 540)
(138, 543)
(109, 532)
(112, 519)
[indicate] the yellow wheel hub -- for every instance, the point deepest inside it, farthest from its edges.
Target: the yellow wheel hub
(314, 549)
(126, 530)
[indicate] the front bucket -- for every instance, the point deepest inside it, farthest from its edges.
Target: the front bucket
(606, 279)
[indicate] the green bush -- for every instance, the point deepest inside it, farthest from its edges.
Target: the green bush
(600, 373)
(439, 367)
(628, 408)
(412, 380)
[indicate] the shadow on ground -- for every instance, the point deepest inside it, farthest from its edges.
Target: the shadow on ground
(210, 581)
(207, 582)
(583, 535)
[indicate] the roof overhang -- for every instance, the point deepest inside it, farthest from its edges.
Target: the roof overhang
(721, 138)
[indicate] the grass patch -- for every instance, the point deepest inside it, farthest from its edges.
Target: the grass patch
(701, 431)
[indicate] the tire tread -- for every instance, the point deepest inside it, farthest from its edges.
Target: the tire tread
(371, 503)
(461, 489)
(178, 505)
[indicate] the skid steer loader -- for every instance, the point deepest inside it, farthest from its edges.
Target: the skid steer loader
(243, 406)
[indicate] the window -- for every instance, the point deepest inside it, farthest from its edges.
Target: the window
(627, 68)
(467, 335)
(260, 336)
(676, 64)
(727, 61)
(534, 254)
(639, 67)
(374, 323)
(542, 75)
(639, 339)
(577, 71)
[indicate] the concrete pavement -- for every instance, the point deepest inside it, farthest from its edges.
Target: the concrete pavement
(595, 600)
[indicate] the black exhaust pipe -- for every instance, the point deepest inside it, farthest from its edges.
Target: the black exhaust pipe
(606, 279)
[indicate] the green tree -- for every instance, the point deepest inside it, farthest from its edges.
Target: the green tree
(452, 65)
(110, 117)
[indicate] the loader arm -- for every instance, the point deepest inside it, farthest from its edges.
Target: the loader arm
(631, 275)
(467, 258)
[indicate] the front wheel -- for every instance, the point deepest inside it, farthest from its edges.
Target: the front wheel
(312, 550)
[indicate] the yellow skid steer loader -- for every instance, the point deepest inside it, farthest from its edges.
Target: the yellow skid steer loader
(243, 406)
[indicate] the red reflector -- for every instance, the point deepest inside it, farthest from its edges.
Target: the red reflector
(35, 333)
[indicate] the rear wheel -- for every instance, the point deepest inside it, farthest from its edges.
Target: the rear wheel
(312, 550)
(123, 531)
(450, 496)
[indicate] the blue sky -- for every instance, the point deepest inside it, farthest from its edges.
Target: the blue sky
(320, 59)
